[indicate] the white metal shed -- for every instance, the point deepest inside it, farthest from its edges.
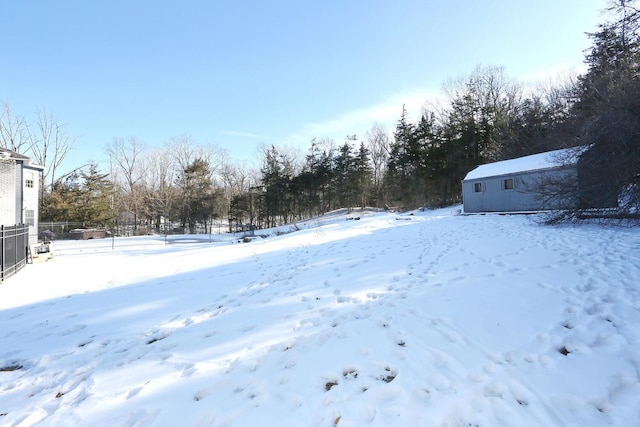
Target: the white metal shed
(516, 185)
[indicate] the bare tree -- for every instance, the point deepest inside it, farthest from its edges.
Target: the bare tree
(184, 151)
(14, 131)
(160, 195)
(184, 154)
(378, 142)
(128, 166)
(235, 180)
(489, 100)
(181, 150)
(50, 146)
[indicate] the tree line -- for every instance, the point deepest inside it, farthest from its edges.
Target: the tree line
(605, 114)
(487, 116)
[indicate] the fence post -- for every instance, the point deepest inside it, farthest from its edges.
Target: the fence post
(19, 254)
(2, 253)
(15, 247)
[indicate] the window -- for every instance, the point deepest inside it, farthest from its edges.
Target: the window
(507, 184)
(28, 183)
(29, 217)
(477, 187)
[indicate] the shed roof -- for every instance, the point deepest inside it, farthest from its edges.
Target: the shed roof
(547, 160)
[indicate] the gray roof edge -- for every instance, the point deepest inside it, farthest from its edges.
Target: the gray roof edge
(12, 154)
(7, 154)
(522, 172)
(554, 158)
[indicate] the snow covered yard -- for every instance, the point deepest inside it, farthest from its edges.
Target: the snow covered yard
(439, 320)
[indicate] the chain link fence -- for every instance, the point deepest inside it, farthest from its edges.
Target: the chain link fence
(68, 230)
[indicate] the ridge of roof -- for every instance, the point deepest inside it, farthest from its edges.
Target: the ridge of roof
(532, 162)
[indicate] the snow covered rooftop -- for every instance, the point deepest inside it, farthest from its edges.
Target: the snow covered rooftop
(533, 162)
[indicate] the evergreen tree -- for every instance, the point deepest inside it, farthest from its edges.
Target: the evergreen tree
(275, 206)
(240, 209)
(431, 169)
(343, 173)
(363, 175)
(399, 167)
(58, 204)
(198, 197)
(95, 198)
(83, 196)
(607, 113)
(317, 176)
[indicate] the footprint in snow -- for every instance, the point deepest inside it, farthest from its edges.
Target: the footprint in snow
(133, 392)
(141, 417)
(73, 330)
(208, 391)
(159, 336)
(389, 374)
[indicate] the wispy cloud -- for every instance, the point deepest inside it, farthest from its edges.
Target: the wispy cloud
(245, 134)
(386, 112)
(556, 73)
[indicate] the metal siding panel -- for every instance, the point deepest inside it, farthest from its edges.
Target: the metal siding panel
(7, 193)
(524, 197)
(530, 193)
(472, 201)
(494, 201)
(518, 199)
(18, 188)
(30, 201)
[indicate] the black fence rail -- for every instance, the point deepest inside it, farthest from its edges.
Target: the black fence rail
(14, 242)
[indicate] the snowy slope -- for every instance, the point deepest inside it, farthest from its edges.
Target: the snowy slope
(424, 320)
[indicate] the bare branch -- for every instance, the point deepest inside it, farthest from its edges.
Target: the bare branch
(51, 145)
(14, 131)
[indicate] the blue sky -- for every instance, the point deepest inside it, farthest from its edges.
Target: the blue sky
(241, 73)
